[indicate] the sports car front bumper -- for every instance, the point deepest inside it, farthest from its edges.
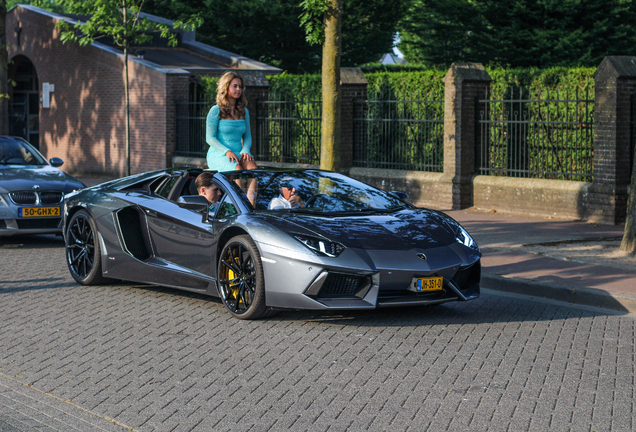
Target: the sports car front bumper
(361, 280)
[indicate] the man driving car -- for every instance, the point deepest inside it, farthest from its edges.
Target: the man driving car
(288, 197)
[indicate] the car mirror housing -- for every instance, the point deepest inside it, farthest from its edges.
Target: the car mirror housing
(197, 203)
(56, 162)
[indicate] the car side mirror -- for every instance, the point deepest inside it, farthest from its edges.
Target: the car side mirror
(399, 194)
(197, 203)
(56, 162)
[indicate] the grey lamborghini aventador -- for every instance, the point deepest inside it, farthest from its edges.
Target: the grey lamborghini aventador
(276, 239)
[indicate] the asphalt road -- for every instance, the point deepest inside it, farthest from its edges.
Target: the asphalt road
(131, 357)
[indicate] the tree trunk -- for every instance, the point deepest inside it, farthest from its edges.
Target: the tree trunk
(4, 57)
(331, 50)
(629, 237)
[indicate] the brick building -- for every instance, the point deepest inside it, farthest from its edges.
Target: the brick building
(69, 100)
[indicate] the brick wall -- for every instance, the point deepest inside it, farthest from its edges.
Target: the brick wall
(85, 124)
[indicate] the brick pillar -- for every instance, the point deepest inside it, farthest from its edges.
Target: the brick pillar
(353, 85)
(256, 88)
(605, 201)
(177, 87)
(464, 82)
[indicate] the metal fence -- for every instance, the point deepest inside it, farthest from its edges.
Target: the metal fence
(540, 134)
(404, 132)
(288, 130)
(190, 128)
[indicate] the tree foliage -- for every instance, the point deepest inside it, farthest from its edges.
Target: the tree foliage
(120, 20)
(271, 32)
(49, 5)
(518, 33)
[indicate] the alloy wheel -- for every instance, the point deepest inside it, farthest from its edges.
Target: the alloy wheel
(238, 278)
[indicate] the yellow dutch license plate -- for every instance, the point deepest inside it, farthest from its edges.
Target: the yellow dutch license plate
(25, 212)
(428, 284)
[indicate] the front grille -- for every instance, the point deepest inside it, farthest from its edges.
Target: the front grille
(23, 197)
(468, 277)
(51, 197)
(38, 223)
(341, 285)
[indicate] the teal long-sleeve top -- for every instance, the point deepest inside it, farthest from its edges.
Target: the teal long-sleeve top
(224, 135)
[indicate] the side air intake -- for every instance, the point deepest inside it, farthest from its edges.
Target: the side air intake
(130, 226)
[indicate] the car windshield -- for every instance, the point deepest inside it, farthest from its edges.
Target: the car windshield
(14, 152)
(310, 191)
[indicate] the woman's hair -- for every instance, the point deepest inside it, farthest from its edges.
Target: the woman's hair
(221, 95)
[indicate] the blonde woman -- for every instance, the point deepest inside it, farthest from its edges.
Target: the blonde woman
(227, 128)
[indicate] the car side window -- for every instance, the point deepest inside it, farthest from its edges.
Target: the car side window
(226, 209)
(166, 186)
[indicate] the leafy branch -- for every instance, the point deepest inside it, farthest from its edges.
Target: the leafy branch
(121, 20)
(312, 20)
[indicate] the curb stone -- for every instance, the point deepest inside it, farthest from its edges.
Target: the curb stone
(581, 296)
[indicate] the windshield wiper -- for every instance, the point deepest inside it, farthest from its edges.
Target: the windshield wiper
(388, 209)
(318, 212)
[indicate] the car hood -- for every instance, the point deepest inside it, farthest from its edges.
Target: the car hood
(16, 178)
(400, 230)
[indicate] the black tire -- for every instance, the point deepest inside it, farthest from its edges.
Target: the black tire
(240, 278)
(83, 255)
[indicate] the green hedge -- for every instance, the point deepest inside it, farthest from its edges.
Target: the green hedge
(401, 82)
(562, 79)
(378, 67)
(389, 84)
(296, 87)
(208, 85)
(405, 85)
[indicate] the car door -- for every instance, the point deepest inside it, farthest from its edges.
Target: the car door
(180, 239)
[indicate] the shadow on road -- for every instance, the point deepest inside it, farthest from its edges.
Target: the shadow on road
(40, 241)
(489, 308)
(13, 286)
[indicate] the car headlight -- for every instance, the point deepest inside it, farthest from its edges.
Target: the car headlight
(464, 238)
(320, 246)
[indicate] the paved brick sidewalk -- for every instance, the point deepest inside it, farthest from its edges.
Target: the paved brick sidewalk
(507, 268)
(157, 359)
(25, 409)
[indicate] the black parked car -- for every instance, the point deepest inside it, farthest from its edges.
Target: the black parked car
(32, 189)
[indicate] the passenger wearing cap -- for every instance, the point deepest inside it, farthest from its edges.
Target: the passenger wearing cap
(288, 197)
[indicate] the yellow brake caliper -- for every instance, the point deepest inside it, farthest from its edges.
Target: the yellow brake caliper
(231, 275)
